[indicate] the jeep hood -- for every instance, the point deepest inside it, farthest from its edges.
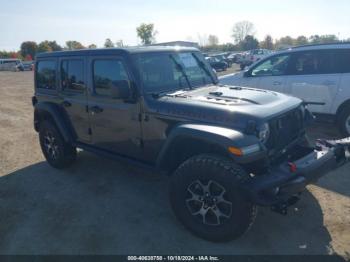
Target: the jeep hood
(230, 104)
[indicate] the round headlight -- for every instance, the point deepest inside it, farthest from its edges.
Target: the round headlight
(264, 133)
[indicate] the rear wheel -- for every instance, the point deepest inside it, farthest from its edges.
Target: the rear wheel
(205, 197)
(57, 152)
(344, 121)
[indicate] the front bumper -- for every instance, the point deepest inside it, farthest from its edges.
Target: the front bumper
(284, 182)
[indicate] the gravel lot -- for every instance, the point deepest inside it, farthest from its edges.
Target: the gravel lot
(99, 206)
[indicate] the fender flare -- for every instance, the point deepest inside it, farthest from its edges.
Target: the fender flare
(58, 116)
(218, 136)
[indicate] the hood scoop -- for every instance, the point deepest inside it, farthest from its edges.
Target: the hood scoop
(178, 94)
(230, 98)
(217, 100)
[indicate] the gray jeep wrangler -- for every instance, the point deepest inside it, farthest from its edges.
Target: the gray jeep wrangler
(228, 149)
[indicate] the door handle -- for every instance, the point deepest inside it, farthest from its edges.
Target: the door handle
(96, 109)
(66, 104)
(277, 83)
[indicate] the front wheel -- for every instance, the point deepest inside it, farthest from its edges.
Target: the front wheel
(205, 197)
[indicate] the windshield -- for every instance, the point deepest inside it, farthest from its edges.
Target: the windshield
(161, 72)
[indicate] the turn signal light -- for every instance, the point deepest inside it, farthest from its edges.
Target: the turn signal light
(236, 151)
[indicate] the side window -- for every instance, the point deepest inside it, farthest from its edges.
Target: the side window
(72, 75)
(46, 74)
(106, 73)
(312, 62)
(342, 60)
(274, 66)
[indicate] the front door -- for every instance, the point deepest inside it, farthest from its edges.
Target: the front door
(271, 73)
(115, 124)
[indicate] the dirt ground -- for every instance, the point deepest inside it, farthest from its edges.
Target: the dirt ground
(99, 206)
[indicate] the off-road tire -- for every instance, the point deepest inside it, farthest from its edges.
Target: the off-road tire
(65, 153)
(228, 175)
(343, 117)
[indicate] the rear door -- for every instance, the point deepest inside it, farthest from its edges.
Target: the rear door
(313, 78)
(73, 92)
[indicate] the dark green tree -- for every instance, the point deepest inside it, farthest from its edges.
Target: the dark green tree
(54, 46)
(267, 43)
(323, 39)
(249, 43)
(72, 45)
(44, 47)
(146, 33)
(108, 43)
(28, 48)
(301, 40)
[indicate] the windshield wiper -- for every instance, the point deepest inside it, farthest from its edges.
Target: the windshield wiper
(180, 68)
(202, 65)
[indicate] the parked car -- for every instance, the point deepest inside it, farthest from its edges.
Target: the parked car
(234, 57)
(28, 66)
(218, 65)
(253, 56)
(228, 149)
(224, 58)
(240, 57)
(11, 65)
(318, 74)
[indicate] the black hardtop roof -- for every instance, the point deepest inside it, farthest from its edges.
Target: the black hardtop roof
(109, 51)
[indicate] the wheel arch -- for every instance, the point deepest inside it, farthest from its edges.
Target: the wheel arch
(51, 112)
(188, 140)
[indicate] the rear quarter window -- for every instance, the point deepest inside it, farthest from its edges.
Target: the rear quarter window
(46, 74)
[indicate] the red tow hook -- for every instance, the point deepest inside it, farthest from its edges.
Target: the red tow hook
(292, 167)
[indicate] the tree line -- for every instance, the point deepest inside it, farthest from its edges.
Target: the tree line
(243, 34)
(29, 49)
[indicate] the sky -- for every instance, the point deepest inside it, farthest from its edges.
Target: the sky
(93, 21)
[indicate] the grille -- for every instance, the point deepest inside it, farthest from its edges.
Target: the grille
(285, 129)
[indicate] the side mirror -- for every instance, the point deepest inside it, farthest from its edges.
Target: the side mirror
(121, 89)
(247, 73)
